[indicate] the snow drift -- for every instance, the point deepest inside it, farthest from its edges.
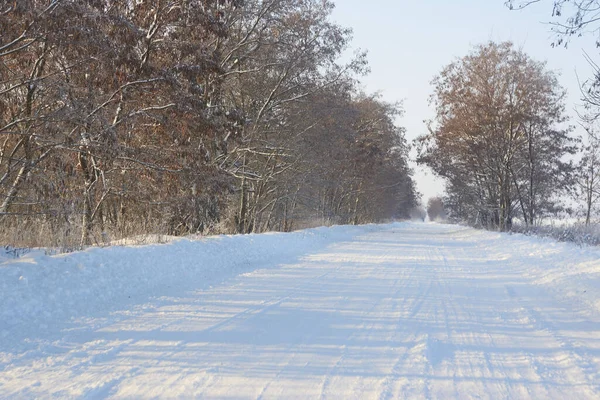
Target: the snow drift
(40, 291)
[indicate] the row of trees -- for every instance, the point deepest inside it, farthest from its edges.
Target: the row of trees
(177, 116)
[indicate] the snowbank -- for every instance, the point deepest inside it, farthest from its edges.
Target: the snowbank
(565, 231)
(562, 263)
(40, 293)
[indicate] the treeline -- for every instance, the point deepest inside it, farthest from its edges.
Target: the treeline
(120, 118)
(502, 141)
(499, 137)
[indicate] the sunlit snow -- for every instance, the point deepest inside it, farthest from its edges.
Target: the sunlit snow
(405, 310)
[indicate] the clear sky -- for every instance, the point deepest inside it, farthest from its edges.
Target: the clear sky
(409, 42)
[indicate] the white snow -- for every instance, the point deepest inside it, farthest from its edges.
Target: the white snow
(402, 310)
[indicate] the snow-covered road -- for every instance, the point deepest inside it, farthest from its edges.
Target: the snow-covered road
(405, 311)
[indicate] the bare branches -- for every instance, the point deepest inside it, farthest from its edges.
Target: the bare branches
(571, 18)
(496, 137)
(22, 41)
(188, 116)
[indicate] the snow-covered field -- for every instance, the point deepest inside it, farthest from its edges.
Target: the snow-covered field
(404, 310)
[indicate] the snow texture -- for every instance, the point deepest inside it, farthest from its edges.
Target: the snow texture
(574, 232)
(405, 310)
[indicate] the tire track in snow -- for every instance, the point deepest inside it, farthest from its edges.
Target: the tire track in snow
(415, 308)
(573, 353)
(288, 361)
(420, 311)
(247, 315)
(263, 306)
(344, 350)
(436, 351)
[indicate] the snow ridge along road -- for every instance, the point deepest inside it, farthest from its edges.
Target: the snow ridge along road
(404, 310)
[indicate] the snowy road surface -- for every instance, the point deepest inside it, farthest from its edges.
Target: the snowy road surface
(404, 311)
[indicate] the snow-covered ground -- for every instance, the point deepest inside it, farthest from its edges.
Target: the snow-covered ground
(392, 311)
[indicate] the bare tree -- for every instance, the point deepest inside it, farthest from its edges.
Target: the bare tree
(496, 137)
(588, 177)
(570, 19)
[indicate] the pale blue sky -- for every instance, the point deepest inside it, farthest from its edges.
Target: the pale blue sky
(409, 42)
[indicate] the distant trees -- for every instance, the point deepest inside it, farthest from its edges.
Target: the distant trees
(121, 118)
(435, 209)
(498, 137)
(418, 213)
